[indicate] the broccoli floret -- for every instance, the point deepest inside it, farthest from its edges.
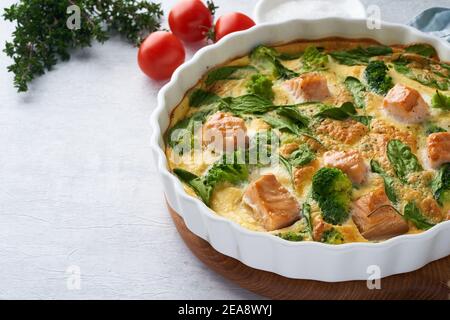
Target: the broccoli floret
(332, 189)
(332, 236)
(291, 236)
(261, 85)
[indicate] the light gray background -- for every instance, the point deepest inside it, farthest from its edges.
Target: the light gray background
(78, 186)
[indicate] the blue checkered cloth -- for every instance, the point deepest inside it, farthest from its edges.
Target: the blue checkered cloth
(435, 21)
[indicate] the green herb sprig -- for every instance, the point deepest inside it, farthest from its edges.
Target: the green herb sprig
(42, 37)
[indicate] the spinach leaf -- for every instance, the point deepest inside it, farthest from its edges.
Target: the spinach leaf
(435, 80)
(284, 124)
(402, 159)
(358, 91)
(302, 156)
(440, 101)
(294, 114)
(313, 60)
(432, 128)
(246, 104)
(412, 213)
(200, 97)
(306, 213)
(346, 110)
(365, 120)
(289, 56)
(388, 180)
(182, 133)
(226, 73)
(267, 59)
(422, 49)
(359, 55)
(198, 184)
(261, 86)
(377, 78)
(287, 166)
(233, 171)
(440, 185)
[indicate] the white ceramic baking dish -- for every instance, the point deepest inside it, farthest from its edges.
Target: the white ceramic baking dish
(300, 260)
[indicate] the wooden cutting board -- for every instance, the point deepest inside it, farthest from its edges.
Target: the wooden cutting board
(429, 282)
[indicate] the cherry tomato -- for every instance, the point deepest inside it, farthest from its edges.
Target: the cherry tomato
(160, 54)
(232, 22)
(190, 20)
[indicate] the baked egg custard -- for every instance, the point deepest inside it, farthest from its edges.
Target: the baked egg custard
(334, 140)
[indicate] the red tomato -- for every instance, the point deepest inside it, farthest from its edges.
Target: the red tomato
(160, 54)
(232, 22)
(190, 20)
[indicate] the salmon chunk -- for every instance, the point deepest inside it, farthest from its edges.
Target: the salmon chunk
(225, 132)
(271, 203)
(374, 219)
(348, 131)
(308, 87)
(405, 104)
(438, 147)
(350, 162)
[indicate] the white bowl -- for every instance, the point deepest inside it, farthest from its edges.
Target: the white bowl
(300, 260)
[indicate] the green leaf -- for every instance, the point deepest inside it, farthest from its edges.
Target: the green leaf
(294, 114)
(346, 110)
(377, 78)
(284, 124)
(358, 91)
(181, 135)
(306, 213)
(302, 156)
(41, 37)
(233, 171)
(289, 56)
(266, 58)
(227, 73)
(202, 189)
(246, 104)
(261, 86)
(313, 60)
(200, 97)
(412, 213)
(365, 120)
(440, 101)
(432, 128)
(422, 49)
(287, 166)
(359, 55)
(440, 185)
(402, 159)
(424, 75)
(388, 180)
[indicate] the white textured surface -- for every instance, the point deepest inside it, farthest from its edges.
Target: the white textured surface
(78, 187)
